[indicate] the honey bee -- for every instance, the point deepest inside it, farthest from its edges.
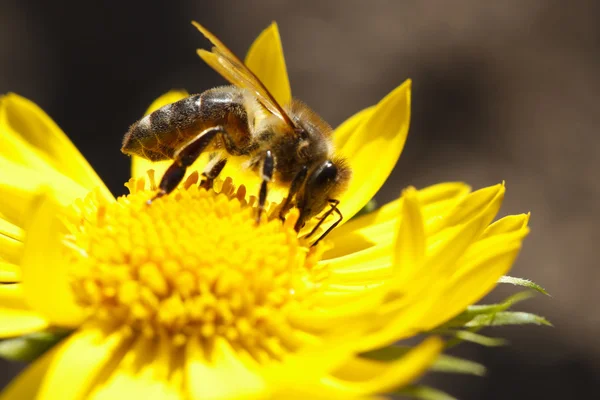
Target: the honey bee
(290, 145)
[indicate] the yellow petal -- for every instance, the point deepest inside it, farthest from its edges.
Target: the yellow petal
(15, 316)
(362, 268)
(10, 249)
(221, 374)
(410, 238)
(484, 264)
(13, 297)
(149, 371)
(265, 58)
(510, 223)
(26, 122)
(380, 139)
(45, 272)
(398, 318)
(465, 224)
(344, 132)
(488, 199)
(16, 323)
(27, 384)
(300, 375)
(9, 273)
(366, 377)
(140, 165)
(428, 279)
(378, 227)
(11, 230)
(78, 362)
(19, 185)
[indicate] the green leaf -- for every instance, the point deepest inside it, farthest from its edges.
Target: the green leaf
(523, 282)
(30, 347)
(490, 310)
(444, 363)
(457, 365)
(424, 393)
(505, 305)
(507, 318)
(473, 337)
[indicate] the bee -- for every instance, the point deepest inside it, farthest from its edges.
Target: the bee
(288, 145)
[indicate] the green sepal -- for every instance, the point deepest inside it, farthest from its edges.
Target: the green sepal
(523, 282)
(457, 365)
(444, 362)
(29, 347)
(507, 318)
(424, 393)
(473, 337)
(489, 310)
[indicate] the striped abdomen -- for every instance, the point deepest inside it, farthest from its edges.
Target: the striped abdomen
(160, 134)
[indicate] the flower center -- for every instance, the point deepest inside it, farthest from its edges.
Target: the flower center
(192, 264)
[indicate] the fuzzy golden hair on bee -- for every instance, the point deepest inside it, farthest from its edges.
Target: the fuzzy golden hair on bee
(290, 146)
(305, 117)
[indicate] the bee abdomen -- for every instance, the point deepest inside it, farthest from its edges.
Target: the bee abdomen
(155, 136)
(158, 135)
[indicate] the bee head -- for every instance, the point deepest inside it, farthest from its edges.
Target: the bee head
(324, 183)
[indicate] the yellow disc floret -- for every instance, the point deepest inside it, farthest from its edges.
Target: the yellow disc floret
(191, 264)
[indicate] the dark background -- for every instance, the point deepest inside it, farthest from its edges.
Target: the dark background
(502, 91)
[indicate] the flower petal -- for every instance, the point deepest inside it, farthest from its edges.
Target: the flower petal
(379, 137)
(9, 273)
(20, 184)
(510, 223)
(362, 268)
(483, 265)
(420, 284)
(24, 122)
(346, 130)
(10, 249)
(16, 318)
(16, 323)
(220, 374)
(378, 227)
(148, 370)
(366, 377)
(265, 58)
(11, 230)
(27, 384)
(464, 225)
(488, 199)
(45, 272)
(139, 165)
(410, 238)
(78, 362)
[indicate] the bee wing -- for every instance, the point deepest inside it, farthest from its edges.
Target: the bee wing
(222, 60)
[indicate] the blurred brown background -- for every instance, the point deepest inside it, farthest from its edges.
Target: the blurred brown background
(502, 91)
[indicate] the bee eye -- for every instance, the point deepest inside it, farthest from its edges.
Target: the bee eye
(325, 175)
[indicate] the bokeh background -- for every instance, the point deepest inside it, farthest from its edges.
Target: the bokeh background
(504, 90)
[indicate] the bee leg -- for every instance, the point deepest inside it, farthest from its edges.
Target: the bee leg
(183, 159)
(267, 175)
(294, 187)
(211, 173)
(333, 203)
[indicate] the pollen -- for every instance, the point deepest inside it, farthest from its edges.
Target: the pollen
(193, 264)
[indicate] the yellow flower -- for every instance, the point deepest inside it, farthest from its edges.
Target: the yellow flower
(189, 299)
